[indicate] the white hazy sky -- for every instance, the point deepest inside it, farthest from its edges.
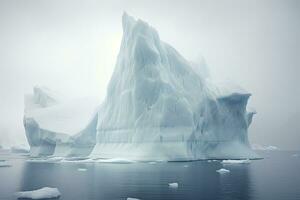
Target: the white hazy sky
(71, 46)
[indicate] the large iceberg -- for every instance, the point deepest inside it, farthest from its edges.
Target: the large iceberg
(158, 106)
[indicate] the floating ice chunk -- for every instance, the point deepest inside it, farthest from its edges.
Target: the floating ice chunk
(55, 159)
(81, 169)
(185, 166)
(223, 171)
(173, 185)
(152, 163)
(43, 193)
(236, 161)
(130, 198)
(212, 160)
(116, 160)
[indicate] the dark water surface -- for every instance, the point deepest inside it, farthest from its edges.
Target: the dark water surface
(277, 177)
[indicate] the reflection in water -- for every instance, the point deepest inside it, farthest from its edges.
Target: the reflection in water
(139, 180)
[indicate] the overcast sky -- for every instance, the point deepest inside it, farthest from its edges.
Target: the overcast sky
(71, 46)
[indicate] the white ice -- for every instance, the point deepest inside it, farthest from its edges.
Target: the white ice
(223, 171)
(236, 161)
(43, 193)
(82, 169)
(173, 185)
(115, 160)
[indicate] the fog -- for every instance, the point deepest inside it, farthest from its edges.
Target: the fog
(71, 47)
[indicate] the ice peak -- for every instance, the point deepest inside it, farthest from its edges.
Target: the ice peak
(127, 21)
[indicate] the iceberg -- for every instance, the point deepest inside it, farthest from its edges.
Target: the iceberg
(158, 106)
(43, 193)
(57, 126)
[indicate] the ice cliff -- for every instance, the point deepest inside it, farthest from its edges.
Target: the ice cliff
(158, 106)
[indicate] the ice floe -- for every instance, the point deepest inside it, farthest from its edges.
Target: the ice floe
(173, 185)
(43, 193)
(223, 171)
(229, 162)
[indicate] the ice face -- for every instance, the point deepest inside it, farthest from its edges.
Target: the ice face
(158, 106)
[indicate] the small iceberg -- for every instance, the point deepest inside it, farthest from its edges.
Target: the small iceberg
(185, 166)
(43, 193)
(223, 171)
(173, 185)
(81, 169)
(152, 163)
(229, 162)
(129, 198)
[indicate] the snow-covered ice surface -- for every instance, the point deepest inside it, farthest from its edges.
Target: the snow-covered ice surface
(43, 193)
(159, 106)
(236, 161)
(173, 185)
(223, 171)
